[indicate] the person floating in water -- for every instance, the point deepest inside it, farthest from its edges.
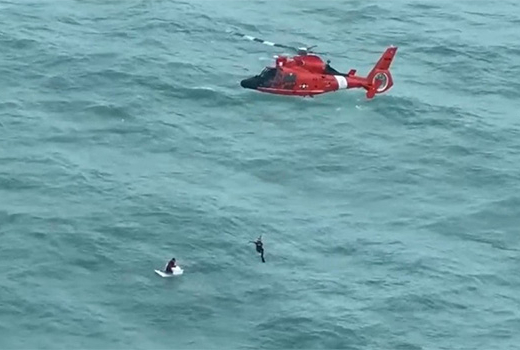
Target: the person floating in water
(259, 247)
(170, 266)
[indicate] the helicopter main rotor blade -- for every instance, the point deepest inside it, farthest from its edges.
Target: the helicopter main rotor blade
(265, 42)
(269, 43)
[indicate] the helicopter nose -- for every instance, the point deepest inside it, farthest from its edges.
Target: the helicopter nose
(249, 83)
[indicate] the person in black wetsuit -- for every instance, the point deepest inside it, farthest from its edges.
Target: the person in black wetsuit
(170, 266)
(259, 247)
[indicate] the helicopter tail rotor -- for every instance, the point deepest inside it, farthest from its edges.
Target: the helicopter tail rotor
(379, 79)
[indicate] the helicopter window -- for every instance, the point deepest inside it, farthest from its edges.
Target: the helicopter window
(268, 73)
(290, 78)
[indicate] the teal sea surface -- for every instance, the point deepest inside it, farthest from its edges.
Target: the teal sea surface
(126, 140)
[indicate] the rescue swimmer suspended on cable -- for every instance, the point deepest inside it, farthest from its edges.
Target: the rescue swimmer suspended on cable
(305, 74)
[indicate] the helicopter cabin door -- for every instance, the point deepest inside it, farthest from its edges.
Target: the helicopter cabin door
(288, 81)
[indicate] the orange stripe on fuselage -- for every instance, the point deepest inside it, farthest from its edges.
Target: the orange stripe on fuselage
(292, 92)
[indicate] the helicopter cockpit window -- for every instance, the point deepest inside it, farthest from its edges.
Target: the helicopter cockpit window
(268, 73)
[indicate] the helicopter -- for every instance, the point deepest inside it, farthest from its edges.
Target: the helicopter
(306, 74)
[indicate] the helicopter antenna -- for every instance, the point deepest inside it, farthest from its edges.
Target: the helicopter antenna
(299, 50)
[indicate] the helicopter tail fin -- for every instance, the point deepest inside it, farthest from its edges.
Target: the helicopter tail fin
(379, 78)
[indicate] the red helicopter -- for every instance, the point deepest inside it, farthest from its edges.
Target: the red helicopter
(307, 75)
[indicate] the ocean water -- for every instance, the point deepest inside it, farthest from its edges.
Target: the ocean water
(126, 139)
